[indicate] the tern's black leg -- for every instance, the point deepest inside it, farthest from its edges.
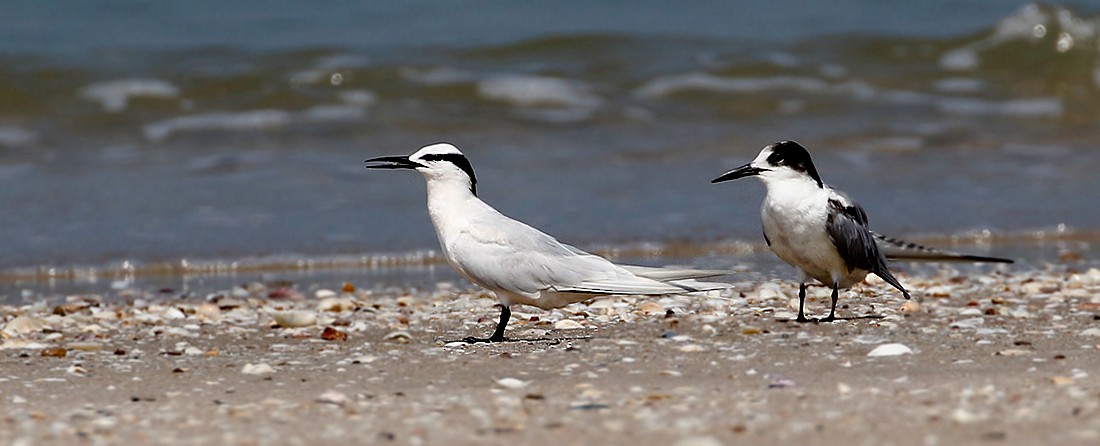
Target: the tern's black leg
(498, 335)
(832, 311)
(802, 303)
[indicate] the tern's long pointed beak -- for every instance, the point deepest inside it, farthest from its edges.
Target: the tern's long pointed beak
(741, 172)
(392, 162)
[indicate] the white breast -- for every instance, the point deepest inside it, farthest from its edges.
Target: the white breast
(794, 221)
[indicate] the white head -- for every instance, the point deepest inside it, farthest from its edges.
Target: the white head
(441, 162)
(783, 161)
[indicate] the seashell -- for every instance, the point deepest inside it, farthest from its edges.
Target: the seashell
(208, 311)
(1090, 332)
(230, 303)
(324, 293)
(23, 325)
(85, 346)
(769, 291)
(173, 313)
(332, 397)
(257, 369)
(909, 306)
(890, 350)
(15, 344)
(398, 336)
(512, 383)
(332, 334)
(567, 324)
(649, 307)
(336, 305)
(294, 319)
(54, 352)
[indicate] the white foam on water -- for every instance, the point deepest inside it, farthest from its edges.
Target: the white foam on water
(333, 113)
(538, 91)
(1026, 108)
(959, 85)
(1020, 108)
(668, 85)
(251, 120)
(1030, 23)
(16, 137)
(114, 95)
(437, 76)
(338, 61)
(361, 98)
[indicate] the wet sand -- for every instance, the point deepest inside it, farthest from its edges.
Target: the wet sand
(996, 358)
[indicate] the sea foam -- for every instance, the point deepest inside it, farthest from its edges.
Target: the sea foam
(115, 95)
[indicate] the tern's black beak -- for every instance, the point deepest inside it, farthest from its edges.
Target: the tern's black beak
(741, 172)
(392, 162)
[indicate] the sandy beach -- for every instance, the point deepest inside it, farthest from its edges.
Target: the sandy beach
(997, 357)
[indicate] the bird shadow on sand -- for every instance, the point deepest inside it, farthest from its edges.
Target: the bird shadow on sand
(835, 319)
(543, 340)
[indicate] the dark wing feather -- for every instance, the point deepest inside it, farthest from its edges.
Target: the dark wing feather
(847, 228)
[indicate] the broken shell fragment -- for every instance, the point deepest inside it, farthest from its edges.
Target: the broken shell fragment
(890, 350)
(398, 336)
(257, 369)
(332, 334)
(567, 324)
(23, 325)
(294, 319)
(54, 352)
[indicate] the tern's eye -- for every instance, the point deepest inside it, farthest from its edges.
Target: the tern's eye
(775, 159)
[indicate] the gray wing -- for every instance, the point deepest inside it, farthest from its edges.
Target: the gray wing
(847, 229)
(503, 254)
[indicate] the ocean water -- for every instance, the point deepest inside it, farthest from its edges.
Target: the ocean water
(160, 138)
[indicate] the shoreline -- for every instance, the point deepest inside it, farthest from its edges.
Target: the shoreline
(995, 357)
(1069, 246)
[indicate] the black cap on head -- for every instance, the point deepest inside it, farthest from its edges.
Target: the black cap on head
(793, 155)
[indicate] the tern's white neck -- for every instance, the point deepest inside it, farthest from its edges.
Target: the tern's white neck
(451, 205)
(792, 187)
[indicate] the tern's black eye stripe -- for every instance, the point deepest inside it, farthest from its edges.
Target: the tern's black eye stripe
(459, 160)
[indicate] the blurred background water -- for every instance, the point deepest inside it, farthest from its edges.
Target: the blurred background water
(223, 134)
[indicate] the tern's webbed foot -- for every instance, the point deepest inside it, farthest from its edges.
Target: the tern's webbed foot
(829, 318)
(804, 319)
